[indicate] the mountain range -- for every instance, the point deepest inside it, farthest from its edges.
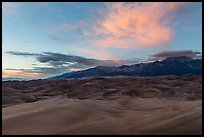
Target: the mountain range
(178, 66)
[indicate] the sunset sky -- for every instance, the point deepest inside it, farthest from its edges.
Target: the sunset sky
(46, 39)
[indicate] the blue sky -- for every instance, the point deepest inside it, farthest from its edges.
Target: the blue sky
(100, 31)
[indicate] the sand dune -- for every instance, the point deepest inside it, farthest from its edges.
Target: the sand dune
(125, 115)
(103, 88)
(103, 105)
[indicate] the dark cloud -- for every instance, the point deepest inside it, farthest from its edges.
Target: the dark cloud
(14, 69)
(47, 70)
(164, 54)
(64, 58)
(22, 53)
(57, 63)
(58, 59)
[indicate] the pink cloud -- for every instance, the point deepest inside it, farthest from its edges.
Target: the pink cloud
(134, 25)
(21, 74)
(75, 69)
(102, 53)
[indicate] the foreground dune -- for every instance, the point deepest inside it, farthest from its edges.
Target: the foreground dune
(126, 115)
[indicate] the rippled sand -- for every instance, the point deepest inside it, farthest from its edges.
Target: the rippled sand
(123, 116)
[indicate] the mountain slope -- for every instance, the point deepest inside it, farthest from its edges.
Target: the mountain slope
(169, 66)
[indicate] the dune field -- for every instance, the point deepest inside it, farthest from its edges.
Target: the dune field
(116, 106)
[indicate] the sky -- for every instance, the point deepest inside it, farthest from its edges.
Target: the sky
(42, 39)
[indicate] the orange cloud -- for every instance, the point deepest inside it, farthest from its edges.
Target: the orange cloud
(75, 69)
(21, 74)
(102, 53)
(135, 25)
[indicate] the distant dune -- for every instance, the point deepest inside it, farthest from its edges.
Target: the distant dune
(104, 105)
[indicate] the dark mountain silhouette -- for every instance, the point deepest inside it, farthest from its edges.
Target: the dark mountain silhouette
(170, 66)
(180, 58)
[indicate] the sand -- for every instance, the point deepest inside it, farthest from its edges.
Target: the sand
(124, 116)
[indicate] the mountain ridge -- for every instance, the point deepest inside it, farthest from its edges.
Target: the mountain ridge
(169, 66)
